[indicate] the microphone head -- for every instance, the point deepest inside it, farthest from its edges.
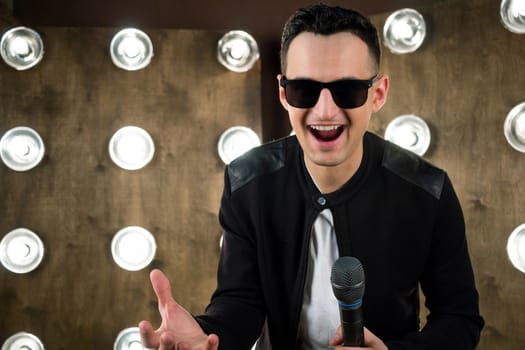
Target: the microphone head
(348, 280)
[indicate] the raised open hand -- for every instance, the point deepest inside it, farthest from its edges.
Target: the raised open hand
(178, 330)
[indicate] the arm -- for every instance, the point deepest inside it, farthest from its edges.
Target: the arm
(178, 329)
(236, 312)
(448, 284)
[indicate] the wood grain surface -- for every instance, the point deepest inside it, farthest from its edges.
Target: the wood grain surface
(77, 198)
(464, 79)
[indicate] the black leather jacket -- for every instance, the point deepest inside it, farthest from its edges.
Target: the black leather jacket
(399, 215)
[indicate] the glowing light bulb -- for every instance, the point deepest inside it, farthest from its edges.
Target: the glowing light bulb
(517, 9)
(521, 248)
(131, 248)
(405, 137)
(130, 47)
(131, 148)
(20, 147)
(18, 250)
(519, 127)
(402, 30)
(135, 345)
(20, 47)
(239, 49)
(238, 145)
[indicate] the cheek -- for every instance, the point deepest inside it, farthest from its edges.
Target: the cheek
(359, 121)
(296, 116)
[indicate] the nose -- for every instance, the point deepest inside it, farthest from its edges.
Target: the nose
(325, 106)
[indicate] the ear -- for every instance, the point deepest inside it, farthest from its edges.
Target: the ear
(380, 92)
(282, 95)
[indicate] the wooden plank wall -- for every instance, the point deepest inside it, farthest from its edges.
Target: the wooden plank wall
(77, 198)
(463, 81)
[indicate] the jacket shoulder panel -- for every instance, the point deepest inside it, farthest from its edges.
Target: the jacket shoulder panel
(256, 162)
(414, 169)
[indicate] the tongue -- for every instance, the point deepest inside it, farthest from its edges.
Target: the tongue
(327, 135)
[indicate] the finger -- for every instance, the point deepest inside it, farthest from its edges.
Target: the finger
(367, 333)
(167, 341)
(338, 337)
(212, 342)
(148, 337)
(161, 286)
(183, 346)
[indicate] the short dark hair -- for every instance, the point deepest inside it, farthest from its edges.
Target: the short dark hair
(325, 20)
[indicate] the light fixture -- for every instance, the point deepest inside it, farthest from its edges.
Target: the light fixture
(410, 132)
(21, 148)
(23, 340)
(512, 14)
(514, 127)
(131, 49)
(237, 51)
(128, 339)
(236, 141)
(404, 31)
(133, 248)
(21, 250)
(131, 148)
(516, 248)
(21, 48)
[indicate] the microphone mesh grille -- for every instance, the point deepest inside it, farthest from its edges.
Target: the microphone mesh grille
(348, 280)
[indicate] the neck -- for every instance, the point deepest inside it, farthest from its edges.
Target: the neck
(331, 178)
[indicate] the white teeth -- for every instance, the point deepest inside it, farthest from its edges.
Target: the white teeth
(324, 127)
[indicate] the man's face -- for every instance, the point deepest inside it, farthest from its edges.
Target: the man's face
(329, 135)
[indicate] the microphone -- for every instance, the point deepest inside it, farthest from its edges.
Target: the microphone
(348, 284)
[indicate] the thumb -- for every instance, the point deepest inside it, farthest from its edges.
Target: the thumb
(161, 286)
(213, 342)
(338, 337)
(148, 337)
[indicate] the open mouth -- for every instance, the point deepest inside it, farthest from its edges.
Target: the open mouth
(326, 133)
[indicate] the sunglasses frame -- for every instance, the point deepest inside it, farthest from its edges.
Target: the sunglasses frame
(332, 87)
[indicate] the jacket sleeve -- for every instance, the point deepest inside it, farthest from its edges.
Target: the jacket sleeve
(454, 321)
(236, 311)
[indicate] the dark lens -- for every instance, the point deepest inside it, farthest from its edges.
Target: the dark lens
(302, 93)
(349, 93)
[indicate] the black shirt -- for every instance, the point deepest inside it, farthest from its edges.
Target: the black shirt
(399, 215)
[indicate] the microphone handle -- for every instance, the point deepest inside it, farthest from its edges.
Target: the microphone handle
(352, 326)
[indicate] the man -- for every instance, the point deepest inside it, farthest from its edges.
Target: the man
(291, 207)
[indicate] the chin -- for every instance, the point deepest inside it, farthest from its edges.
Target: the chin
(326, 162)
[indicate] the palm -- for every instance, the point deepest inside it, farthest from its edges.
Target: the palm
(177, 326)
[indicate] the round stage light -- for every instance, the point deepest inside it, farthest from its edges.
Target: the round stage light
(21, 48)
(410, 132)
(404, 31)
(512, 15)
(131, 49)
(236, 141)
(237, 51)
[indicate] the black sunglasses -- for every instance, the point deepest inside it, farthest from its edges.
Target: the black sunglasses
(347, 93)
